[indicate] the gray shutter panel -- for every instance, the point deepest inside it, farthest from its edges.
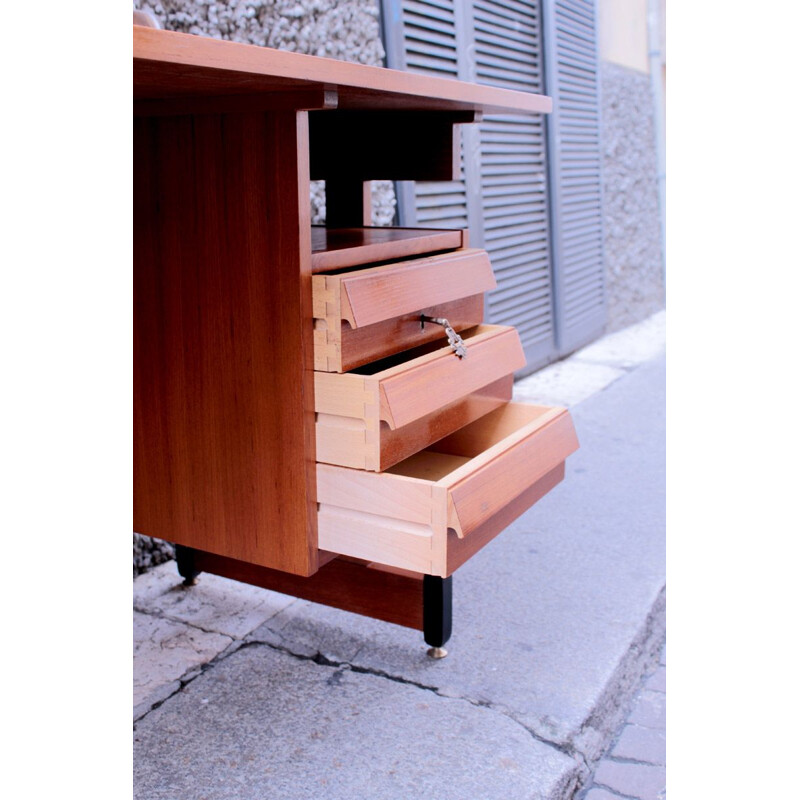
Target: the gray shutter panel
(575, 170)
(422, 36)
(513, 197)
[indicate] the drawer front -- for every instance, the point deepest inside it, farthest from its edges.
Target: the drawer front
(364, 314)
(470, 484)
(373, 418)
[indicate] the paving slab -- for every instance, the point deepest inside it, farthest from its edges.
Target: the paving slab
(213, 604)
(164, 651)
(556, 620)
(262, 724)
(642, 744)
(641, 781)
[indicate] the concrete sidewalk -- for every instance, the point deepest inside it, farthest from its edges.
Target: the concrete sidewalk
(245, 693)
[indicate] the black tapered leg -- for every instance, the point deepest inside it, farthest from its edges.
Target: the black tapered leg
(184, 556)
(437, 610)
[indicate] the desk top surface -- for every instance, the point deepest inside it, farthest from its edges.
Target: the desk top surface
(177, 65)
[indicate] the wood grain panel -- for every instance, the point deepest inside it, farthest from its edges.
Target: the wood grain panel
(412, 390)
(222, 316)
(168, 64)
(394, 289)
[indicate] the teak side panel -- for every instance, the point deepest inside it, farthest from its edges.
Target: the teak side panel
(223, 352)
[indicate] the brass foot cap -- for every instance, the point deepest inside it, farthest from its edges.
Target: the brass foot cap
(437, 652)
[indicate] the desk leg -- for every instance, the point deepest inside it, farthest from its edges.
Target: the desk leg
(187, 569)
(437, 613)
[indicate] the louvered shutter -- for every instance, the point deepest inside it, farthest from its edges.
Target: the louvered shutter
(575, 170)
(423, 37)
(513, 196)
(537, 213)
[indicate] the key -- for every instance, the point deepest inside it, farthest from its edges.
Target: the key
(455, 341)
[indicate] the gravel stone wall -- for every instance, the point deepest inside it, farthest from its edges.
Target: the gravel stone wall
(149, 553)
(344, 29)
(634, 264)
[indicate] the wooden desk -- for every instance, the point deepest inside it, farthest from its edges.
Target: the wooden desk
(226, 139)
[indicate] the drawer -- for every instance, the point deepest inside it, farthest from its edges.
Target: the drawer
(432, 511)
(377, 415)
(361, 315)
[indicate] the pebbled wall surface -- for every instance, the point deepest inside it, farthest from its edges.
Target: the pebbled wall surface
(634, 264)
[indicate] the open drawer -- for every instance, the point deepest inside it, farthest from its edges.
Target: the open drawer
(431, 512)
(381, 413)
(364, 314)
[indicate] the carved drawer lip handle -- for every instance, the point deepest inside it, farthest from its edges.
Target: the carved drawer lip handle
(454, 340)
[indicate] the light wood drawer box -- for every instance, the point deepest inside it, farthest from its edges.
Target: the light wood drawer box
(364, 314)
(433, 511)
(376, 416)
